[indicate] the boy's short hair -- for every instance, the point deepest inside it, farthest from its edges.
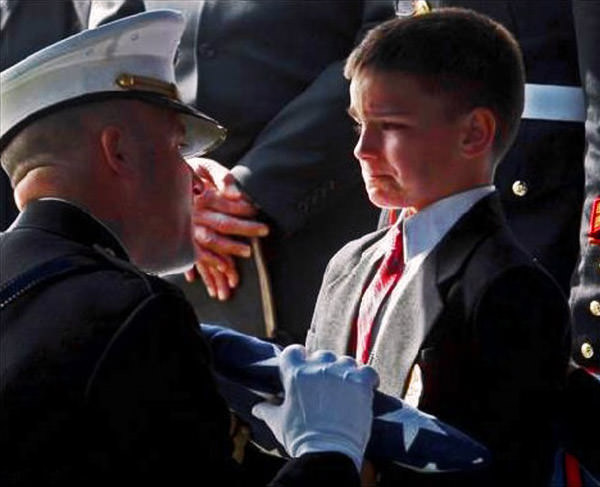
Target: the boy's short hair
(464, 56)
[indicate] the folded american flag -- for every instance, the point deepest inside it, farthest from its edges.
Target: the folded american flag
(247, 371)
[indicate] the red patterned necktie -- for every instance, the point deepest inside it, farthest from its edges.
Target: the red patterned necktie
(385, 279)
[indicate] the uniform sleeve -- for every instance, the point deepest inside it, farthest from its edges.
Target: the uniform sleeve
(521, 346)
(302, 160)
(157, 412)
(585, 291)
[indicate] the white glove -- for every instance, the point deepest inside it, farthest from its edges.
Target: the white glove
(327, 404)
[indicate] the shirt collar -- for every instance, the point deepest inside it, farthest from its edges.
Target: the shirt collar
(426, 228)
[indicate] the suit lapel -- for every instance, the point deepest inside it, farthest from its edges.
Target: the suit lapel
(339, 298)
(460, 242)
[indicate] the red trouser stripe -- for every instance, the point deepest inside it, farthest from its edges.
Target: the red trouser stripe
(572, 473)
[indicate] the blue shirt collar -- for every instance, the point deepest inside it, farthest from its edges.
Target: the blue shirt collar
(426, 228)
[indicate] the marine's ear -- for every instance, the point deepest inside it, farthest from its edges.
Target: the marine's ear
(117, 152)
(478, 133)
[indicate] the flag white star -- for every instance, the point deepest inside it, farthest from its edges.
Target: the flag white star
(412, 422)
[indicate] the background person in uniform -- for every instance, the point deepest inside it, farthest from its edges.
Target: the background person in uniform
(104, 374)
(272, 73)
(585, 293)
(438, 100)
(582, 429)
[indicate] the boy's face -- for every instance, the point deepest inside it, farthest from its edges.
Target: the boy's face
(409, 150)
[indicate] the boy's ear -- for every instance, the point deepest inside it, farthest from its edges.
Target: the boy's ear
(479, 132)
(115, 150)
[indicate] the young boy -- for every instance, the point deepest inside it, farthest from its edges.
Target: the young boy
(447, 292)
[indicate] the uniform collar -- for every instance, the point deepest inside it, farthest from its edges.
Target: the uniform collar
(69, 221)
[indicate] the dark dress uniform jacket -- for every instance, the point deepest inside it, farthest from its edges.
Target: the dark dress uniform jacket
(585, 293)
(495, 330)
(105, 378)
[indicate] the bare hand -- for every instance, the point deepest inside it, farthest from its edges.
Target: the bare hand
(220, 210)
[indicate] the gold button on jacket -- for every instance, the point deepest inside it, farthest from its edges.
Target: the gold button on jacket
(595, 308)
(520, 188)
(587, 351)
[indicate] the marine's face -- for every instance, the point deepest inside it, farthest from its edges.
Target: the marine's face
(166, 184)
(407, 143)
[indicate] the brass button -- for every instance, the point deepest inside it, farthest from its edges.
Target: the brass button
(520, 188)
(587, 350)
(125, 80)
(595, 307)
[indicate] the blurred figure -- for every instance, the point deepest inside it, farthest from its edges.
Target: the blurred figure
(582, 401)
(585, 293)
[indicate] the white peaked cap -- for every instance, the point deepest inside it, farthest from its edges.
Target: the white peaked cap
(129, 58)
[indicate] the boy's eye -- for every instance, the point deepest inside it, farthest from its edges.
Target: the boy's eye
(357, 128)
